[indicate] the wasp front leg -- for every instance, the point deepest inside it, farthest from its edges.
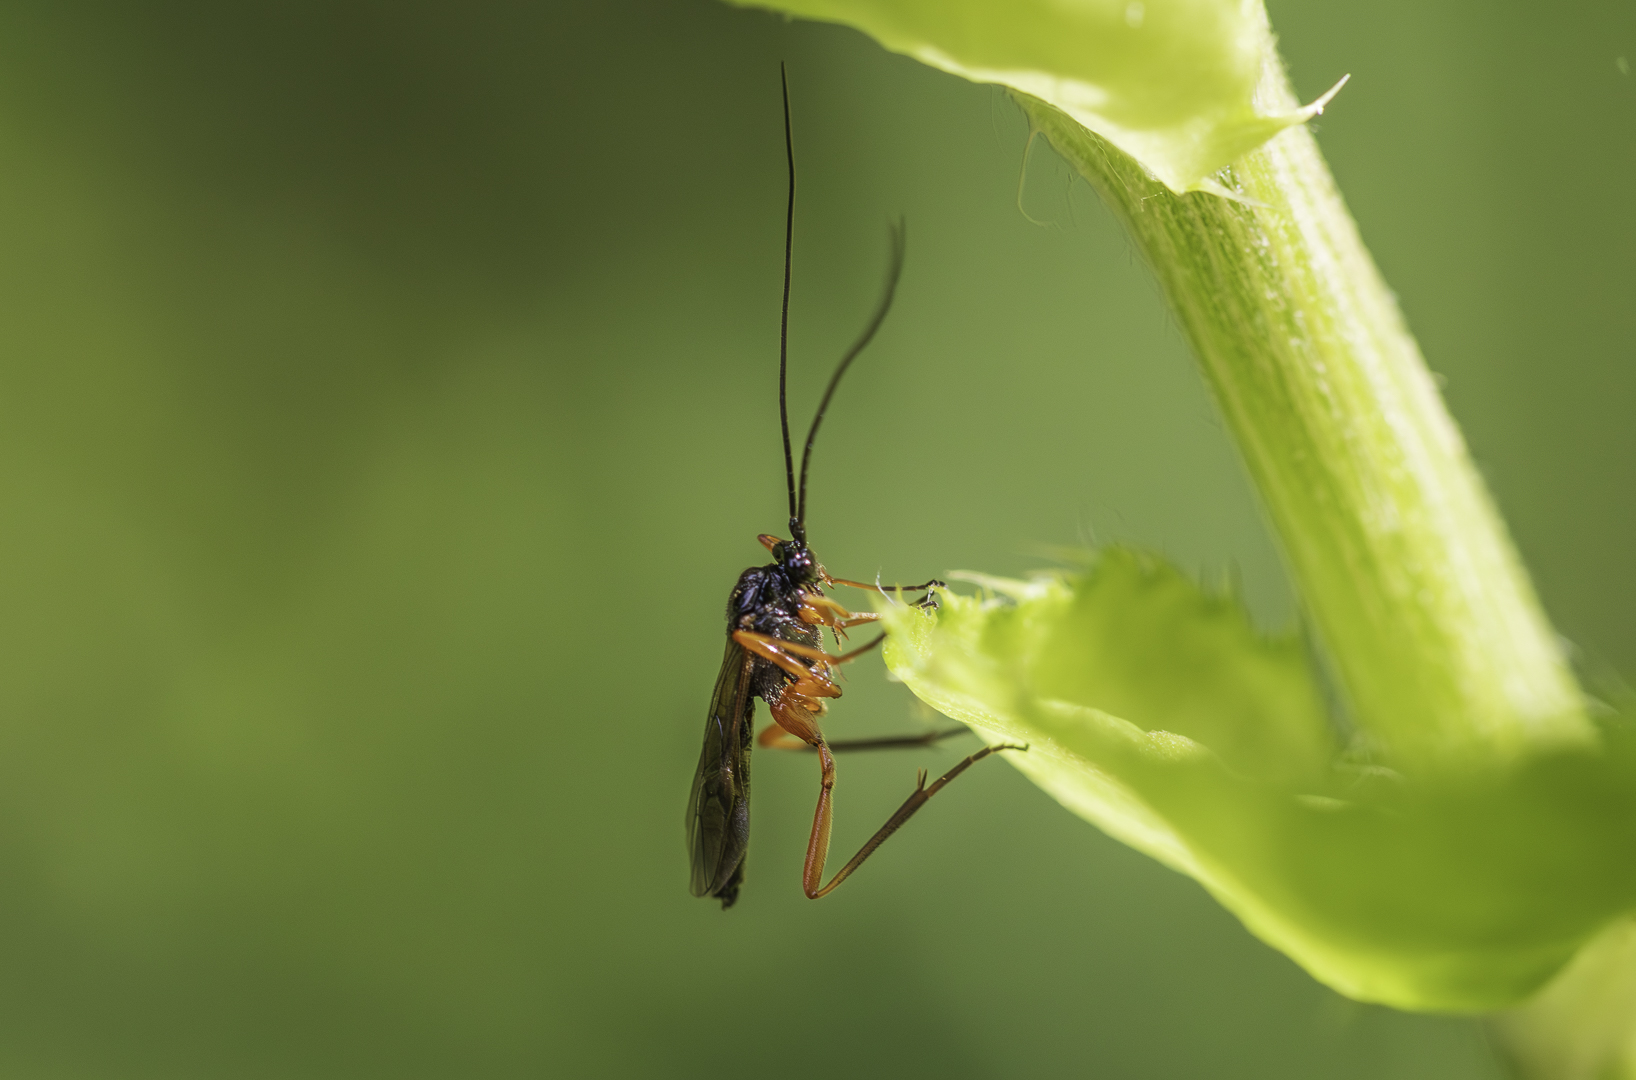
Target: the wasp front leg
(816, 609)
(820, 610)
(929, 587)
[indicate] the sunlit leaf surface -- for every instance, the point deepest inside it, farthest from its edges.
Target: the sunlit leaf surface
(1170, 82)
(1157, 712)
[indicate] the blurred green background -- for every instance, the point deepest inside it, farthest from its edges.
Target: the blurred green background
(387, 406)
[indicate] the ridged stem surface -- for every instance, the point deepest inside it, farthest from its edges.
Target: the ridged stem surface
(1402, 563)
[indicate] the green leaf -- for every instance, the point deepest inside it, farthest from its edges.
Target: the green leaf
(1170, 82)
(1158, 713)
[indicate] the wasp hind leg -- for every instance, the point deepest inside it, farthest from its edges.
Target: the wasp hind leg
(796, 712)
(797, 717)
(918, 798)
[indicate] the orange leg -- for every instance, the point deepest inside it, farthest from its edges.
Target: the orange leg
(817, 608)
(777, 737)
(812, 871)
(927, 601)
(773, 737)
(797, 716)
(821, 610)
(809, 681)
(793, 713)
(781, 652)
(814, 874)
(796, 713)
(793, 717)
(883, 589)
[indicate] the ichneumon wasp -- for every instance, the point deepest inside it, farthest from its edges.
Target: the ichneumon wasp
(775, 617)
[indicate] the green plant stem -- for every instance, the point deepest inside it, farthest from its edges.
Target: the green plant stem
(1580, 1027)
(1402, 563)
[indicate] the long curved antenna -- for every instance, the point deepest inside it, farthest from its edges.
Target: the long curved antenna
(897, 238)
(784, 324)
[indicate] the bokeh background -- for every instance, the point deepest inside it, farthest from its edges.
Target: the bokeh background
(387, 406)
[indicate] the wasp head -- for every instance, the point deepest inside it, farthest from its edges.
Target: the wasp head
(794, 558)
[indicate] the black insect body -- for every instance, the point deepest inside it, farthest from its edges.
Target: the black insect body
(775, 617)
(767, 601)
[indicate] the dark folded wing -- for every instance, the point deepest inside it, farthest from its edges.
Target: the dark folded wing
(718, 813)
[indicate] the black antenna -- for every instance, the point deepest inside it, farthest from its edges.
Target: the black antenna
(784, 326)
(898, 240)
